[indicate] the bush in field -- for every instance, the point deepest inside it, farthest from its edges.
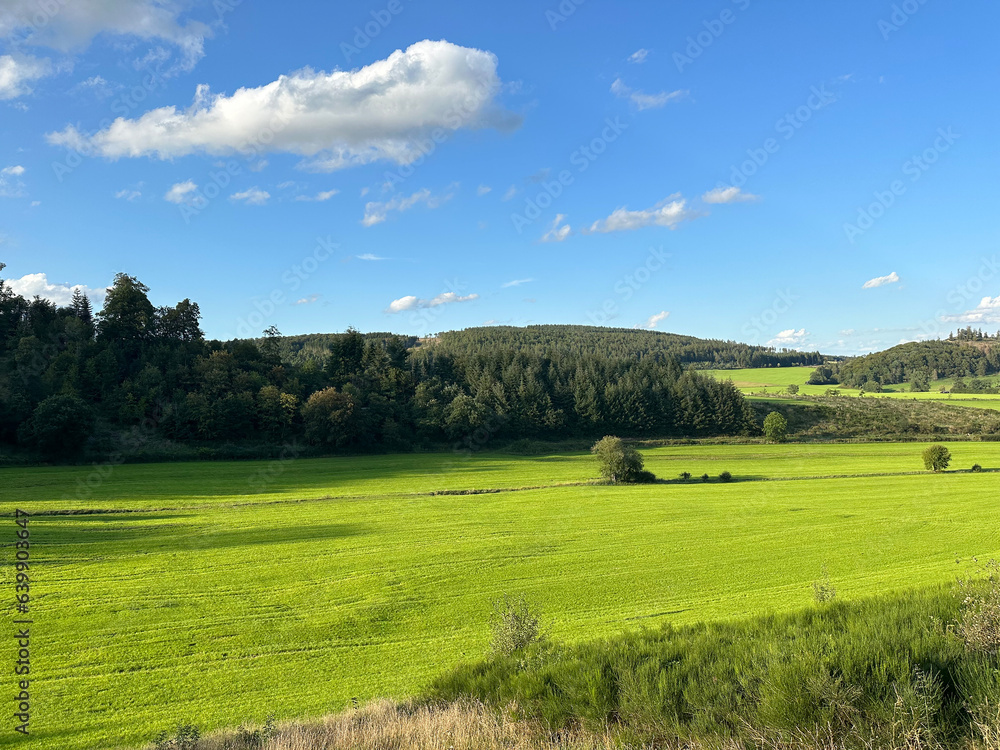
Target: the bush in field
(725, 477)
(937, 458)
(618, 462)
(685, 475)
(186, 737)
(514, 625)
(645, 477)
(704, 477)
(979, 622)
(976, 468)
(823, 590)
(776, 427)
(793, 389)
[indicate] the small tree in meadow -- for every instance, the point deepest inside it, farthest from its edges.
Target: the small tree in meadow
(776, 427)
(937, 458)
(514, 625)
(618, 462)
(793, 390)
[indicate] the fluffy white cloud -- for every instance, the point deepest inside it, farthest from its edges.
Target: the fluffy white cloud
(642, 100)
(892, 278)
(655, 320)
(37, 284)
(377, 211)
(181, 192)
(639, 56)
(557, 233)
(669, 212)
(789, 338)
(987, 311)
(252, 197)
(74, 25)
(320, 197)
(415, 303)
(384, 111)
(516, 282)
(729, 195)
(18, 73)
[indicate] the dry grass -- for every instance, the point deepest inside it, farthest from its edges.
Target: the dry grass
(386, 725)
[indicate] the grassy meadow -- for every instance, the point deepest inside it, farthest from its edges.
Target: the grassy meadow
(772, 381)
(217, 593)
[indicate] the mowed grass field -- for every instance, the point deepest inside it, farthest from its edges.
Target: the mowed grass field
(775, 381)
(195, 598)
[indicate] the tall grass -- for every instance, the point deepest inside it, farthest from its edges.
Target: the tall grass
(888, 669)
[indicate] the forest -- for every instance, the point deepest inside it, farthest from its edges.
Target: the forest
(77, 381)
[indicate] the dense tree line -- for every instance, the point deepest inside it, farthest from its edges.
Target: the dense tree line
(922, 362)
(621, 343)
(69, 376)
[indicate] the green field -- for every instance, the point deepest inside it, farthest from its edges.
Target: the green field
(775, 380)
(347, 578)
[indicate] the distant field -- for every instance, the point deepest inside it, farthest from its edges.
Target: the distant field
(775, 380)
(345, 580)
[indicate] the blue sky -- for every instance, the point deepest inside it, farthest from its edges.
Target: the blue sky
(811, 175)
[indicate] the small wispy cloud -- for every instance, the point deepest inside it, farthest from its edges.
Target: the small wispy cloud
(483, 190)
(252, 197)
(182, 192)
(319, 197)
(642, 100)
(378, 211)
(308, 300)
(557, 233)
(654, 320)
(128, 194)
(892, 278)
(729, 195)
(639, 56)
(511, 193)
(669, 212)
(516, 282)
(369, 256)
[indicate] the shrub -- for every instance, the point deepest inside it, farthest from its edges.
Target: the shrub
(618, 462)
(645, 477)
(59, 426)
(937, 458)
(256, 738)
(186, 737)
(976, 468)
(704, 477)
(979, 623)
(685, 475)
(725, 477)
(514, 625)
(823, 590)
(776, 427)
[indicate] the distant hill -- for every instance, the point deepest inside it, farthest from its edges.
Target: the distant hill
(957, 357)
(625, 343)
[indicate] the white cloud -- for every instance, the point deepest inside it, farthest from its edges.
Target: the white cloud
(654, 320)
(642, 100)
(557, 233)
(37, 284)
(73, 25)
(516, 282)
(383, 111)
(252, 197)
(182, 192)
(892, 278)
(987, 311)
(128, 194)
(729, 195)
(18, 73)
(11, 184)
(377, 211)
(369, 256)
(414, 303)
(324, 196)
(511, 192)
(669, 212)
(639, 56)
(789, 338)
(483, 189)
(308, 300)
